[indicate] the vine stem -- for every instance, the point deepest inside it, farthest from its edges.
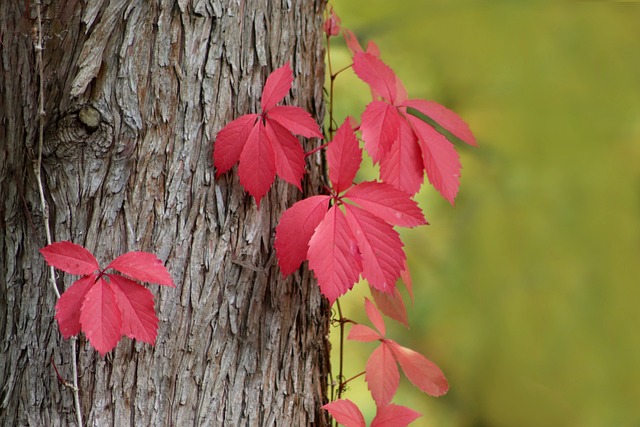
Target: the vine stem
(38, 47)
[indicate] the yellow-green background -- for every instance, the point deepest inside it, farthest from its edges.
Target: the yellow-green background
(528, 290)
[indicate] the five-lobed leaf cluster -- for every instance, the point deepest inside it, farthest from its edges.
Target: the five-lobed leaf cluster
(107, 306)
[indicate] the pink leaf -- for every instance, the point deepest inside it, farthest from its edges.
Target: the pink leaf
(333, 255)
(352, 41)
(288, 153)
(391, 304)
(135, 302)
(297, 225)
(375, 317)
(376, 74)
(380, 126)
(422, 372)
(276, 87)
(394, 416)
(440, 159)
(69, 257)
(230, 142)
(142, 266)
(444, 117)
(386, 202)
(100, 317)
(296, 120)
(69, 305)
(363, 334)
(344, 157)
(382, 375)
(403, 167)
(345, 412)
(332, 24)
(380, 246)
(257, 168)
(405, 275)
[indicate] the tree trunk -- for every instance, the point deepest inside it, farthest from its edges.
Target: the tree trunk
(135, 91)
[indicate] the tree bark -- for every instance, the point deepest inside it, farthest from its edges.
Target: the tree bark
(135, 91)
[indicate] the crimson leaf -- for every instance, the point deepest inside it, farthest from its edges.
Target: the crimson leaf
(381, 375)
(69, 305)
(142, 266)
(344, 157)
(71, 258)
(394, 416)
(345, 412)
(422, 372)
(276, 87)
(100, 317)
(135, 302)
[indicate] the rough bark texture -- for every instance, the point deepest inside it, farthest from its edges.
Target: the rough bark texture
(135, 91)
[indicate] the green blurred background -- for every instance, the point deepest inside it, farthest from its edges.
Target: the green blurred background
(527, 291)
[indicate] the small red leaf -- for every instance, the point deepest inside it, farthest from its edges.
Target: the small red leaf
(422, 372)
(363, 334)
(344, 157)
(276, 87)
(135, 302)
(100, 317)
(257, 168)
(440, 159)
(345, 412)
(142, 266)
(405, 275)
(386, 202)
(376, 74)
(296, 120)
(332, 24)
(394, 416)
(69, 257)
(380, 245)
(380, 126)
(288, 153)
(352, 41)
(403, 167)
(230, 142)
(333, 255)
(444, 117)
(382, 375)
(69, 305)
(391, 304)
(375, 317)
(297, 225)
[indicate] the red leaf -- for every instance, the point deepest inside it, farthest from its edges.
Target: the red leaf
(352, 41)
(69, 305)
(333, 255)
(444, 117)
(142, 266)
(100, 317)
(375, 317)
(344, 157)
(276, 87)
(380, 126)
(288, 153)
(363, 334)
(69, 257)
(297, 225)
(422, 372)
(376, 74)
(405, 275)
(380, 246)
(230, 142)
(403, 167)
(135, 302)
(257, 168)
(391, 304)
(382, 375)
(296, 120)
(386, 202)
(394, 416)
(345, 412)
(332, 24)
(440, 159)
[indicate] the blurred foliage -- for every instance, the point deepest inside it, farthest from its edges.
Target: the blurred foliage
(527, 291)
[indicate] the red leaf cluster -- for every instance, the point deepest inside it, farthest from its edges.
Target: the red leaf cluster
(353, 237)
(264, 144)
(107, 306)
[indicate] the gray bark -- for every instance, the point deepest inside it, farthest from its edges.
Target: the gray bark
(135, 91)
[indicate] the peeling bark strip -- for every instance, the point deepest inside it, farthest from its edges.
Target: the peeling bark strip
(135, 90)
